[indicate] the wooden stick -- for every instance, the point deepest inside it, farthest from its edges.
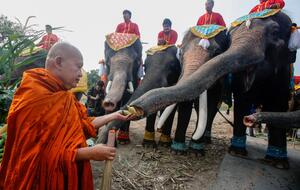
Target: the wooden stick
(106, 179)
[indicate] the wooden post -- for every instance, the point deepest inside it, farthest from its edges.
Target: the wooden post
(107, 174)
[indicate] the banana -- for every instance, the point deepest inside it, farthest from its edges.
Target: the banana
(132, 110)
(125, 112)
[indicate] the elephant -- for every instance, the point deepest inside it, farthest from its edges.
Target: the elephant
(122, 69)
(286, 120)
(258, 56)
(162, 69)
(193, 56)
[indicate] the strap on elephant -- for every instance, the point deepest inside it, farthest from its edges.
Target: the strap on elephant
(228, 121)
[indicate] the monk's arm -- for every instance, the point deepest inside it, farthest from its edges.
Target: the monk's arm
(98, 152)
(102, 120)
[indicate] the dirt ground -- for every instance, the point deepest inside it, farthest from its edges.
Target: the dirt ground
(136, 167)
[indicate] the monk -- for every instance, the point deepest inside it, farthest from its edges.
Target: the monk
(47, 129)
(211, 17)
(268, 4)
(48, 40)
(167, 36)
(127, 26)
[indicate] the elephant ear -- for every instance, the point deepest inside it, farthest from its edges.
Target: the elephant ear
(249, 78)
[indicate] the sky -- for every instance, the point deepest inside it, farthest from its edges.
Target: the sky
(91, 20)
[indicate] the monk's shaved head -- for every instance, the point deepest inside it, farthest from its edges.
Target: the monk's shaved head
(64, 61)
(64, 50)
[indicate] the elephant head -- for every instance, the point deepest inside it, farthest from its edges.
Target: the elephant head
(262, 42)
(193, 56)
(122, 67)
(162, 69)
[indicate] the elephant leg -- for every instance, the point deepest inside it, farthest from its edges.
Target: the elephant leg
(276, 154)
(184, 115)
(149, 136)
(197, 146)
(242, 107)
(213, 98)
(123, 135)
(165, 137)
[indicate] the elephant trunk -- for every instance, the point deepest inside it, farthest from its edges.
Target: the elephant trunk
(155, 80)
(280, 119)
(115, 92)
(234, 59)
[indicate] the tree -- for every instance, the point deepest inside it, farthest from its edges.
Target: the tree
(15, 38)
(93, 77)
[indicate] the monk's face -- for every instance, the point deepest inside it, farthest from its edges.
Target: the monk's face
(70, 71)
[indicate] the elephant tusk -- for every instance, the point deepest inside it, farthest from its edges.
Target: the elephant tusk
(202, 119)
(130, 87)
(108, 86)
(165, 115)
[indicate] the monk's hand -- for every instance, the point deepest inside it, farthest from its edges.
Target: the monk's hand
(249, 120)
(124, 115)
(102, 152)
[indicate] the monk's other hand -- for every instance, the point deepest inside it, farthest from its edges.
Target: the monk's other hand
(101, 152)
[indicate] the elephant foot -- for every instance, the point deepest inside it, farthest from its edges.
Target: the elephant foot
(277, 157)
(238, 147)
(207, 140)
(165, 141)
(123, 137)
(196, 148)
(238, 152)
(178, 148)
(149, 144)
(207, 137)
(149, 140)
(279, 163)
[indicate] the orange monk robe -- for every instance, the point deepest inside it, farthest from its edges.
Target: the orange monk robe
(267, 4)
(46, 126)
(128, 28)
(211, 18)
(48, 41)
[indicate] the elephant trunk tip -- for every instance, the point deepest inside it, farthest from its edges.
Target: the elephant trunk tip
(109, 105)
(136, 111)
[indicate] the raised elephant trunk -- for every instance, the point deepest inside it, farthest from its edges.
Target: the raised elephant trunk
(115, 92)
(238, 57)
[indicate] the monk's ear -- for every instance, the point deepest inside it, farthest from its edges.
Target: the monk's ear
(58, 62)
